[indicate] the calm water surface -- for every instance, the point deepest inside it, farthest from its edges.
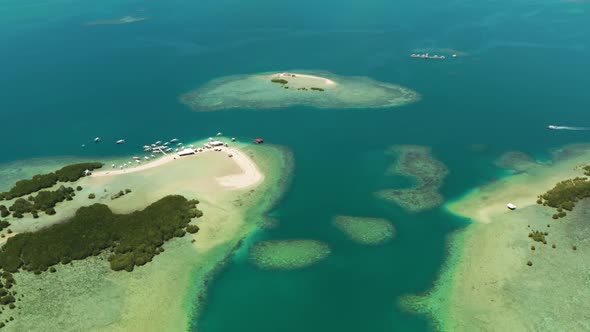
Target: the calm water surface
(527, 67)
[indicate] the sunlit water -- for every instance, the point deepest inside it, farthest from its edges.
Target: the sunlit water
(522, 66)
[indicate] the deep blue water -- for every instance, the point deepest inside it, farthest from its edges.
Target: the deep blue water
(62, 84)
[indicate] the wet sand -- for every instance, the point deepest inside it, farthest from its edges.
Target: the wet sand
(160, 295)
(487, 284)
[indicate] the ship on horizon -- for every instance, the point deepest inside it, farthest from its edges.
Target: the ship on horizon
(427, 56)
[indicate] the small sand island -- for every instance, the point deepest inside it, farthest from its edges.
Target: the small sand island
(364, 230)
(417, 162)
(288, 254)
(279, 90)
(519, 270)
(122, 20)
(111, 246)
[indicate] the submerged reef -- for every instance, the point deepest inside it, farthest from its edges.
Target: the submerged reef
(429, 173)
(516, 161)
(517, 270)
(134, 238)
(363, 230)
(288, 254)
(274, 91)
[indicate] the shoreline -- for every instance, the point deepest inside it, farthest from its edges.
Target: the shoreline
(486, 278)
(183, 271)
(249, 176)
(326, 81)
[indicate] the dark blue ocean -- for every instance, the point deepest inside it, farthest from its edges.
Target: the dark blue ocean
(526, 65)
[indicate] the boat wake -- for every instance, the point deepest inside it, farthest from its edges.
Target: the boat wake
(568, 128)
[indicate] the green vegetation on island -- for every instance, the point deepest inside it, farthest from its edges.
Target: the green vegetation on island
(121, 193)
(288, 254)
(4, 224)
(279, 81)
(43, 201)
(566, 194)
(192, 229)
(4, 211)
(131, 239)
(68, 173)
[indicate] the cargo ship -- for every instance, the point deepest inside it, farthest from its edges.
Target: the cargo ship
(427, 56)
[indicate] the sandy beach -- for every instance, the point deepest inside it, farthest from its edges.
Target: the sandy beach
(250, 174)
(488, 279)
(301, 78)
(127, 301)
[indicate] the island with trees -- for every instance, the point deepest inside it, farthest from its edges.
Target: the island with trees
(133, 239)
(565, 194)
(70, 173)
(280, 90)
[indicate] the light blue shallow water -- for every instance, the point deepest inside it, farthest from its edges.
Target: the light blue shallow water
(63, 84)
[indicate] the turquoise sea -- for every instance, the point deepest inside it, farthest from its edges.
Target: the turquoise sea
(526, 66)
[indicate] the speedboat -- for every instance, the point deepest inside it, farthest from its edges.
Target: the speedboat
(97, 139)
(552, 127)
(158, 142)
(174, 140)
(121, 141)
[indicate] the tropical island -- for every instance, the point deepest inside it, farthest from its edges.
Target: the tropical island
(498, 266)
(109, 262)
(429, 173)
(279, 90)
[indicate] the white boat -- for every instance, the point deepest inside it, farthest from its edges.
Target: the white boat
(166, 143)
(113, 165)
(179, 144)
(154, 145)
(219, 133)
(169, 150)
(552, 127)
(233, 139)
(174, 140)
(97, 139)
(511, 206)
(157, 143)
(146, 158)
(146, 147)
(135, 158)
(121, 141)
(138, 161)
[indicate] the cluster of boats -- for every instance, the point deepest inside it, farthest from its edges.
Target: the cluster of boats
(120, 141)
(171, 146)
